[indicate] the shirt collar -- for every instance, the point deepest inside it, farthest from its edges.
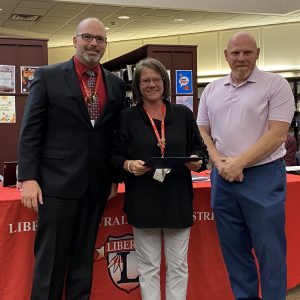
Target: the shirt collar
(252, 78)
(82, 68)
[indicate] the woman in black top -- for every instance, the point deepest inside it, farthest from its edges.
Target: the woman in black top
(158, 202)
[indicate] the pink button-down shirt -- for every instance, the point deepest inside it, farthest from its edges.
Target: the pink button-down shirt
(238, 115)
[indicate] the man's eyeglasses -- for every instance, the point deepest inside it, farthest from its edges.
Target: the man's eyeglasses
(147, 81)
(89, 37)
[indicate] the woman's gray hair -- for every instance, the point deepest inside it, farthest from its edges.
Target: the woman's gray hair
(158, 67)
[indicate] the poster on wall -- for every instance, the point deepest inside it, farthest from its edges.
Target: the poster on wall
(27, 76)
(7, 79)
(184, 83)
(7, 109)
(185, 100)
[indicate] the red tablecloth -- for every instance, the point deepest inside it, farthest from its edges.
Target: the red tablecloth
(115, 275)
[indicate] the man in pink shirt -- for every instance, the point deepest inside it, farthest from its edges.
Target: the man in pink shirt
(244, 119)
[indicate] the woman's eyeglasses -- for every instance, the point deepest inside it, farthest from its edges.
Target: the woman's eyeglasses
(147, 81)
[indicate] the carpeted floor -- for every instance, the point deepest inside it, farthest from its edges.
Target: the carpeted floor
(294, 294)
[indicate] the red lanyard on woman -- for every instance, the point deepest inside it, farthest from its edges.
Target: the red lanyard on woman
(161, 140)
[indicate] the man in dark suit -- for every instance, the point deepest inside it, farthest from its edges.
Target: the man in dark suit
(64, 162)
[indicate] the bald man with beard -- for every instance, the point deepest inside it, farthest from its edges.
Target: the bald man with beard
(244, 119)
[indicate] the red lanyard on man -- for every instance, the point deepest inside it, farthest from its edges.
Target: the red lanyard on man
(161, 140)
(88, 94)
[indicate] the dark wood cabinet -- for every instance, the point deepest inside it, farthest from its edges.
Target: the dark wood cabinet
(173, 57)
(18, 52)
(295, 125)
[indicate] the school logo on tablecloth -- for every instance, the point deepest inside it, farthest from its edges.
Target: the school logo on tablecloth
(121, 261)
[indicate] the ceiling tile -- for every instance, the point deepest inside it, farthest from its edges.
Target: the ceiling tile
(86, 14)
(24, 25)
(59, 20)
(152, 19)
(10, 2)
(43, 30)
(193, 14)
(30, 11)
(219, 16)
(52, 19)
(36, 4)
(128, 11)
(70, 6)
(62, 13)
(206, 22)
(164, 12)
(247, 17)
(6, 12)
(103, 9)
(135, 25)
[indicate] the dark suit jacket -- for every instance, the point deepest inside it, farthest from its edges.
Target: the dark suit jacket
(58, 146)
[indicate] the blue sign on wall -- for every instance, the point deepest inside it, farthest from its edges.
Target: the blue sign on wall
(184, 83)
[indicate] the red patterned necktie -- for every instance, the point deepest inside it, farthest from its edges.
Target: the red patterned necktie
(92, 101)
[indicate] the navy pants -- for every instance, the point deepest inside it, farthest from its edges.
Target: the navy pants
(251, 215)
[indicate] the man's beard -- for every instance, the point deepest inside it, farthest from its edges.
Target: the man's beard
(92, 58)
(242, 73)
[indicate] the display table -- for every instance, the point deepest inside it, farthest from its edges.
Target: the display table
(115, 275)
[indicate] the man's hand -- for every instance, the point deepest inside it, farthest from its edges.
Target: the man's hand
(31, 194)
(231, 169)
